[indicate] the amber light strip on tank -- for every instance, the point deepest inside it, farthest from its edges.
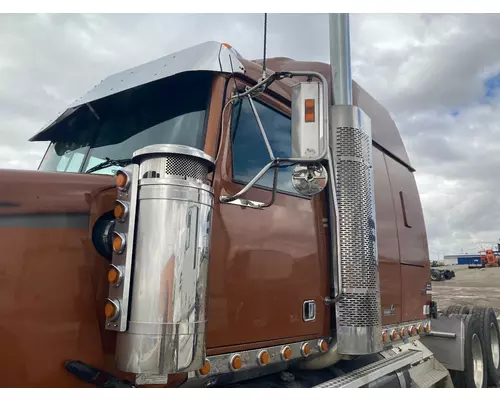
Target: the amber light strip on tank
(116, 306)
(257, 358)
(408, 331)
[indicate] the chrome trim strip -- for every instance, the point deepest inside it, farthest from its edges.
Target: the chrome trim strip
(399, 327)
(220, 364)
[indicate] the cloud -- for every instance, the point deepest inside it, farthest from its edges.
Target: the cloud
(437, 74)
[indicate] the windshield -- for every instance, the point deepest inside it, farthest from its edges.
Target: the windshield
(170, 111)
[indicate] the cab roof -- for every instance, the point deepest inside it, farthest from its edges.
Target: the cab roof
(221, 58)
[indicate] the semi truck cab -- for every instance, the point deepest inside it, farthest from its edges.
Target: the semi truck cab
(195, 223)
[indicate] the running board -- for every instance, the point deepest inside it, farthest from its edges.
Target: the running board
(374, 371)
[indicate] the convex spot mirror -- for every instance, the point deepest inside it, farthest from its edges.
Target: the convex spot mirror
(309, 180)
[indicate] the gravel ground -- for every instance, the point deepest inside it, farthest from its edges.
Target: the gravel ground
(469, 287)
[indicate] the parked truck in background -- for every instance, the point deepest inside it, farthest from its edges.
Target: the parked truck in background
(201, 221)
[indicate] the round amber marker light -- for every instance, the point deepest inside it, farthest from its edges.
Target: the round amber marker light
(118, 243)
(420, 329)
(264, 358)
(427, 328)
(323, 345)
(205, 370)
(404, 332)
(121, 179)
(119, 210)
(306, 349)
(286, 353)
(236, 362)
(395, 335)
(113, 276)
(110, 310)
(413, 331)
(385, 337)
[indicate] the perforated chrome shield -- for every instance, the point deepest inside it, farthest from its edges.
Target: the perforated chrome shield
(358, 310)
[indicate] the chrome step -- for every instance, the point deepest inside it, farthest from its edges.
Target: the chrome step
(430, 378)
(370, 373)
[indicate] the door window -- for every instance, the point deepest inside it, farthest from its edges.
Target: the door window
(250, 153)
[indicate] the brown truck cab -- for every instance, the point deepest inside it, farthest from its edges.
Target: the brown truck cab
(194, 223)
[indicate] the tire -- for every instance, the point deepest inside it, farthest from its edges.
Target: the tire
(447, 275)
(435, 275)
(474, 374)
(456, 309)
(491, 337)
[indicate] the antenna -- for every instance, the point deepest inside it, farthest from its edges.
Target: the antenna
(265, 45)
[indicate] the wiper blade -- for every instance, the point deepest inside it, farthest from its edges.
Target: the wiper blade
(108, 163)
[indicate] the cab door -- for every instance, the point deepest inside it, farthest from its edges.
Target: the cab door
(265, 264)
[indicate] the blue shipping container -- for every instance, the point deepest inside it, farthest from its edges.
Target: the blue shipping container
(468, 260)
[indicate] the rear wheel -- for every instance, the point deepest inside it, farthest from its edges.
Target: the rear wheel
(474, 373)
(490, 332)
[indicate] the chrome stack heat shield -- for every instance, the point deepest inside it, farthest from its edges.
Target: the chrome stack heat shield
(358, 314)
(167, 312)
(359, 323)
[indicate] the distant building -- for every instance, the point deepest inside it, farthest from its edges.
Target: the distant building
(462, 259)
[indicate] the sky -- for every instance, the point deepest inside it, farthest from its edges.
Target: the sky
(437, 74)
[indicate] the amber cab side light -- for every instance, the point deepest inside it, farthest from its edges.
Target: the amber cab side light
(323, 345)
(305, 349)
(286, 353)
(205, 370)
(121, 210)
(263, 358)
(309, 110)
(115, 275)
(118, 242)
(112, 309)
(236, 362)
(122, 179)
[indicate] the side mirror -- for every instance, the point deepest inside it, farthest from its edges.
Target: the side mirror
(308, 120)
(309, 180)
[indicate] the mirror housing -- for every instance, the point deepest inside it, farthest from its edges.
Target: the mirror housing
(307, 120)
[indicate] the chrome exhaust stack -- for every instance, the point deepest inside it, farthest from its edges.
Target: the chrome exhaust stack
(358, 311)
(166, 319)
